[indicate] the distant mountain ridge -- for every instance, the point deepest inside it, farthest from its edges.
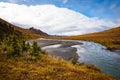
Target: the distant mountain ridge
(8, 28)
(37, 31)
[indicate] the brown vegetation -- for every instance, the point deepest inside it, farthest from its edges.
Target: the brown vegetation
(109, 38)
(22, 68)
(29, 34)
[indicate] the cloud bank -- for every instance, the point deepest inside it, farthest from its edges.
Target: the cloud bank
(52, 19)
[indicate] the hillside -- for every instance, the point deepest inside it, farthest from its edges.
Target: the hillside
(6, 29)
(109, 38)
(23, 68)
(27, 33)
(20, 61)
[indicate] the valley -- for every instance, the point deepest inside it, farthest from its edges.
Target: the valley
(59, 39)
(23, 61)
(109, 38)
(87, 52)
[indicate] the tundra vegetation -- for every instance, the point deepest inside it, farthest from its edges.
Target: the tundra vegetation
(20, 60)
(109, 38)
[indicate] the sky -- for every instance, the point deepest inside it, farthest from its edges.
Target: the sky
(62, 17)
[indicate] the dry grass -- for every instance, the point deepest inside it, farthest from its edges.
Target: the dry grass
(28, 34)
(21, 68)
(109, 38)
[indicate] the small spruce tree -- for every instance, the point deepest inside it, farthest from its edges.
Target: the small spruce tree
(74, 59)
(35, 51)
(14, 45)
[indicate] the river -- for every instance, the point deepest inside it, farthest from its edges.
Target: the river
(88, 52)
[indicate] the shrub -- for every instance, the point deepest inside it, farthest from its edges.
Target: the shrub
(74, 59)
(90, 66)
(14, 45)
(35, 53)
(24, 47)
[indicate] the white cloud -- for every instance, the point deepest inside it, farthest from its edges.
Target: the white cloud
(53, 20)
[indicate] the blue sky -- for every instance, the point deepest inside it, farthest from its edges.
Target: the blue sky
(103, 9)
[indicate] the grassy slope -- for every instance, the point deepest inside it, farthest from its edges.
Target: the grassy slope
(21, 68)
(109, 38)
(28, 34)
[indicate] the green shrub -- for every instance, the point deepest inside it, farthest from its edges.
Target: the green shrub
(36, 51)
(74, 59)
(14, 46)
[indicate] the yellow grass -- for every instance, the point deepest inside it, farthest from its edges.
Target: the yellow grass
(109, 38)
(28, 34)
(22, 68)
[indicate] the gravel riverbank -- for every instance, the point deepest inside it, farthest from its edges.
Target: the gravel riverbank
(59, 48)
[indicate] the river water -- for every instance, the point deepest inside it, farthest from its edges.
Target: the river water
(93, 53)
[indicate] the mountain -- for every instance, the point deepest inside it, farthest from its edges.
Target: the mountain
(109, 38)
(38, 31)
(8, 28)
(30, 34)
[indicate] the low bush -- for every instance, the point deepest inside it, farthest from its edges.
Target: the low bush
(90, 66)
